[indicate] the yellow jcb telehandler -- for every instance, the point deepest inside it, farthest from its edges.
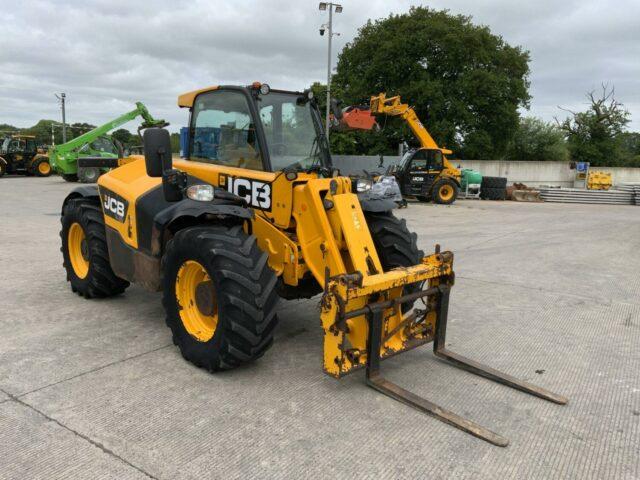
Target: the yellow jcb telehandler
(257, 212)
(424, 173)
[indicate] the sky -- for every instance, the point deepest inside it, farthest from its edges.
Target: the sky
(107, 54)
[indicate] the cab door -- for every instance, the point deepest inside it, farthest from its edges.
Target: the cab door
(416, 174)
(435, 163)
(16, 153)
(423, 170)
(30, 151)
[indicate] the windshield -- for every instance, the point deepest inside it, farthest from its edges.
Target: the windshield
(100, 144)
(5, 145)
(292, 132)
(407, 156)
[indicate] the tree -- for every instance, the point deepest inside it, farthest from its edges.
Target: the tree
(175, 142)
(78, 129)
(5, 129)
(629, 144)
(464, 82)
(42, 132)
(536, 139)
(125, 137)
(593, 135)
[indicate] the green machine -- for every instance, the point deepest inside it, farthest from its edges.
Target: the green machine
(470, 182)
(86, 157)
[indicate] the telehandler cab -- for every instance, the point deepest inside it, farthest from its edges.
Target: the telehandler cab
(19, 154)
(257, 212)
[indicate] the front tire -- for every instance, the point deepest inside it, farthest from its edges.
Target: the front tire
(41, 167)
(219, 296)
(85, 253)
(445, 191)
(395, 244)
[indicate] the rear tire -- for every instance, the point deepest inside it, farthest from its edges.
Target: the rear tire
(40, 167)
(88, 174)
(235, 322)
(493, 193)
(395, 244)
(493, 182)
(85, 253)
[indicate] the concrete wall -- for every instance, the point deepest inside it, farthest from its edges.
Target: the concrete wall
(530, 173)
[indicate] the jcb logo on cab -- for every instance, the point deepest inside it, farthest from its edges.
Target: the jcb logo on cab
(256, 193)
(113, 205)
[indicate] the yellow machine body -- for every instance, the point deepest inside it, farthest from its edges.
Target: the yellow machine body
(302, 237)
(307, 220)
(598, 180)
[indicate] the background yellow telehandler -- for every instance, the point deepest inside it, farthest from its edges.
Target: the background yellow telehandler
(425, 172)
(257, 212)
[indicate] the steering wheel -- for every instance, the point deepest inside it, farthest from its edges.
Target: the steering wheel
(278, 148)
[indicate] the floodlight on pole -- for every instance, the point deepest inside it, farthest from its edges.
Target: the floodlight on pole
(62, 97)
(329, 28)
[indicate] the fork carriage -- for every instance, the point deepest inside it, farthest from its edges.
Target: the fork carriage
(390, 332)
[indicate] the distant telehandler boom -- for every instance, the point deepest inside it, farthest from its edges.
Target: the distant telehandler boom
(87, 156)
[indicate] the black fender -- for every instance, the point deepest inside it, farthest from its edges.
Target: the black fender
(187, 212)
(373, 204)
(83, 191)
(157, 220)
(448, 177)
(377, 205)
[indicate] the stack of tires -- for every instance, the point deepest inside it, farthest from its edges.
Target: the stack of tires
(493, 188)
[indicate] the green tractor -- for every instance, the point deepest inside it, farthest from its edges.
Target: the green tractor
(88, 156)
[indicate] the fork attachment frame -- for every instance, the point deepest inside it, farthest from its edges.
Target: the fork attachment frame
(374, 315)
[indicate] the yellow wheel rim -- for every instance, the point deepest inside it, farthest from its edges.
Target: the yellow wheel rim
(44, 168)
(78, 250)
(446, 192)
(197, 301)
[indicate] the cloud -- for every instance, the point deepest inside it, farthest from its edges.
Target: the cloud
(107, 54)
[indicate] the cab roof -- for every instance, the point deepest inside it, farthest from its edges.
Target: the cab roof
(186, 99)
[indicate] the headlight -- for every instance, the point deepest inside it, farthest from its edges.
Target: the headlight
(201, 193)
(363, 185)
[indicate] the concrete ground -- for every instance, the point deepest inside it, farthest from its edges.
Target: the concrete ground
(546, 292)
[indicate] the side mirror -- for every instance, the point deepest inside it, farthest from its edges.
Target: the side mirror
(157, 151)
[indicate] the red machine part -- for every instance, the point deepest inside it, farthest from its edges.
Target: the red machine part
(356, 118)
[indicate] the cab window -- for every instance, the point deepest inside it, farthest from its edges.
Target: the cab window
(289, 130)
(16, 146)
(435, 160)
(102, 144)
(223, 132)
(419, 161)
